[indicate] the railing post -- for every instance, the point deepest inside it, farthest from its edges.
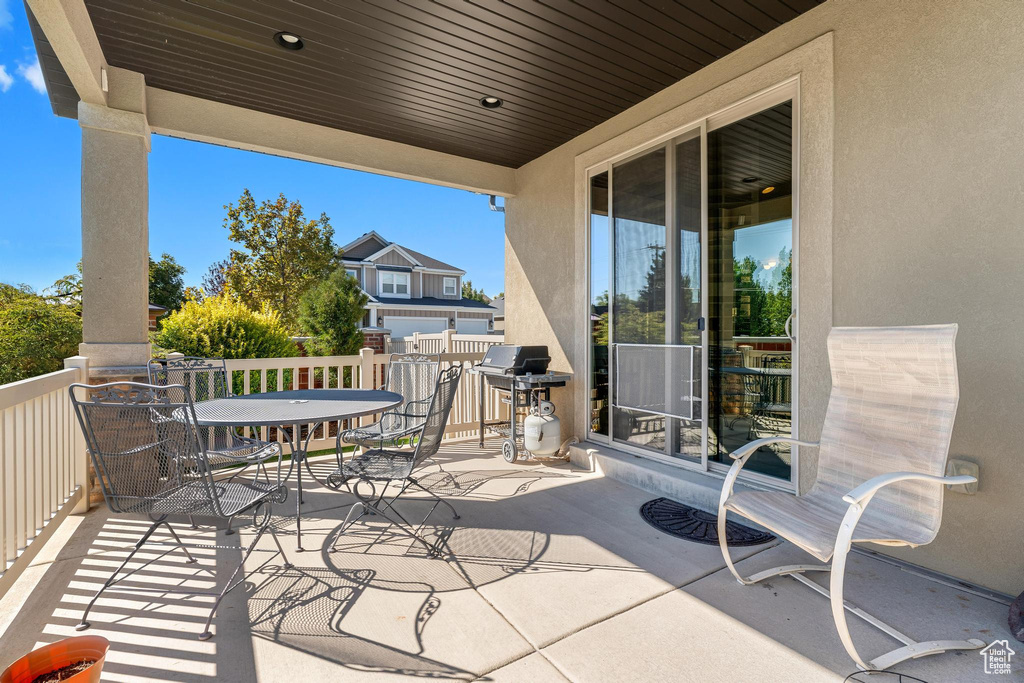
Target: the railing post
(81, 455)
(448, 341)
(366, 373)
(415, 341)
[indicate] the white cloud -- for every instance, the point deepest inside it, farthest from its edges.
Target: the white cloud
(34, 75)
(6, 80)
(6, 18)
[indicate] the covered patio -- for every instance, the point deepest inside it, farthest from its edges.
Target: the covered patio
(732, 179)
(550, 575)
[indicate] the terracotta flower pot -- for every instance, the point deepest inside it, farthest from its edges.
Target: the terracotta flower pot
(58, 655)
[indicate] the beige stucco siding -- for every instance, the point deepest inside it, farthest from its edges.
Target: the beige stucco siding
(923, 202)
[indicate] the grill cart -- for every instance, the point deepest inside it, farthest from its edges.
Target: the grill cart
(520, 374)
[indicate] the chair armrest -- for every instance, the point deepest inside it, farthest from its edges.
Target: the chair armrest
(863, 493)
(744, 452)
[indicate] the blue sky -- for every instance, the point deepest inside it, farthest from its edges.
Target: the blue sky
(40, 221)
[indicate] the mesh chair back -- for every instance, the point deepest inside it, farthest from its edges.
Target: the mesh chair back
(143, 445)
(893, 402)
(204, 379)
(412, 375)
(437, 416)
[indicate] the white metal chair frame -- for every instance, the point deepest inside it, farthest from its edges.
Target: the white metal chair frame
(858, 500)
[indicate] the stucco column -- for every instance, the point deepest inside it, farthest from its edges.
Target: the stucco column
(115, 229)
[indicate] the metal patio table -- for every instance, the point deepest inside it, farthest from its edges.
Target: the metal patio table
(311, 407)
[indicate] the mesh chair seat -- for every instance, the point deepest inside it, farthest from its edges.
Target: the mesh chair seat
(378, 433)
(379, 465)
(193, 499)
(812, 521)
(246, 451)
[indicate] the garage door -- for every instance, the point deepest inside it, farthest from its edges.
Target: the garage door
(471, 326)
(401, 326)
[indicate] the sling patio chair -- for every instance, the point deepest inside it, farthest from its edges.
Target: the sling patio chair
(386, 467)
(412, 375)
(152, 463)
(881, 467)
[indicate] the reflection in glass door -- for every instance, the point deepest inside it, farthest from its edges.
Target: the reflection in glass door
(656, 309)
(750, 243)
(691, 292)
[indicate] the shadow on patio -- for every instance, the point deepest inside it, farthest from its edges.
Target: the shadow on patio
(550, 574)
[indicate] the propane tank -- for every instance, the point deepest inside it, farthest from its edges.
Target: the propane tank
(542, 431)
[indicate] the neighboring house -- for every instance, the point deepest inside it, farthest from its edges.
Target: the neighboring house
(499, 313)
(154, 313)
(412, 292)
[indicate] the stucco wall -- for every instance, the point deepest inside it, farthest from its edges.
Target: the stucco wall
(928, 104)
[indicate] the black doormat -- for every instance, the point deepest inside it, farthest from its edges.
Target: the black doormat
(683, 521)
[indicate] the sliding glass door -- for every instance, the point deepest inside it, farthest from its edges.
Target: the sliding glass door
(691, 292)
(750, 244)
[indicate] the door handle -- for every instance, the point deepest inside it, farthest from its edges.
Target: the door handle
(788, 327)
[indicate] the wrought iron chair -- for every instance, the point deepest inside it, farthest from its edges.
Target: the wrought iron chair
(389, 466)
(881, 467)
(412, 375)
(151, 462)
(206, 379)
(772, 412)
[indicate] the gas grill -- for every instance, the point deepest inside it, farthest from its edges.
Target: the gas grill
(521, 375)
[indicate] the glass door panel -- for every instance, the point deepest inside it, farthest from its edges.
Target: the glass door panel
(599, 304)
(750, 243)
(655, 322)
(639, 204)
(686, 328)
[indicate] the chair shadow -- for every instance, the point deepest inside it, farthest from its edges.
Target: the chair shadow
(305, 608)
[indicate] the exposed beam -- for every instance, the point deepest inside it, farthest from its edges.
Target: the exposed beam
(70, 32)
(193, 118)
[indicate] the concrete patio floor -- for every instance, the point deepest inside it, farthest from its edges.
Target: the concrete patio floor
(551, 575)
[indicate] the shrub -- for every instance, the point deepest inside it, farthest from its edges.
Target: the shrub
(330, 313)
(35, 335)
(219, 327)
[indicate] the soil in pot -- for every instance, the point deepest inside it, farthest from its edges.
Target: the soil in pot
(65, 672)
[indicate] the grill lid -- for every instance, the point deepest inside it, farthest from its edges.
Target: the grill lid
(511, 359)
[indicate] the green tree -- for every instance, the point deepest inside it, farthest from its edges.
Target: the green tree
(282, 253)
(469, 293)
(166, 285)
(36, 334)
(219, 327)
(330, 313)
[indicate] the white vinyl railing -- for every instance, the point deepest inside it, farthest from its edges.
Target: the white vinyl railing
(444, 342)
(366, 371)
(43, 466)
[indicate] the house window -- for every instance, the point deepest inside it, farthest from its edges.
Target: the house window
(396, 284)
(450, 285)
(353, 272)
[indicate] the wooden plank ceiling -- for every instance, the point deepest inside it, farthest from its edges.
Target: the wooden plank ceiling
(413, 71)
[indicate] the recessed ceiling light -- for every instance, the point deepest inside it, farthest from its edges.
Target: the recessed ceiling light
(768, 190)
(490, 102)
(288, 41)
(751, 179)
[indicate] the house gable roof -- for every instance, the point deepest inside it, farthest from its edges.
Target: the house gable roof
(393, 247)
(370, 246)
(364, 245)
